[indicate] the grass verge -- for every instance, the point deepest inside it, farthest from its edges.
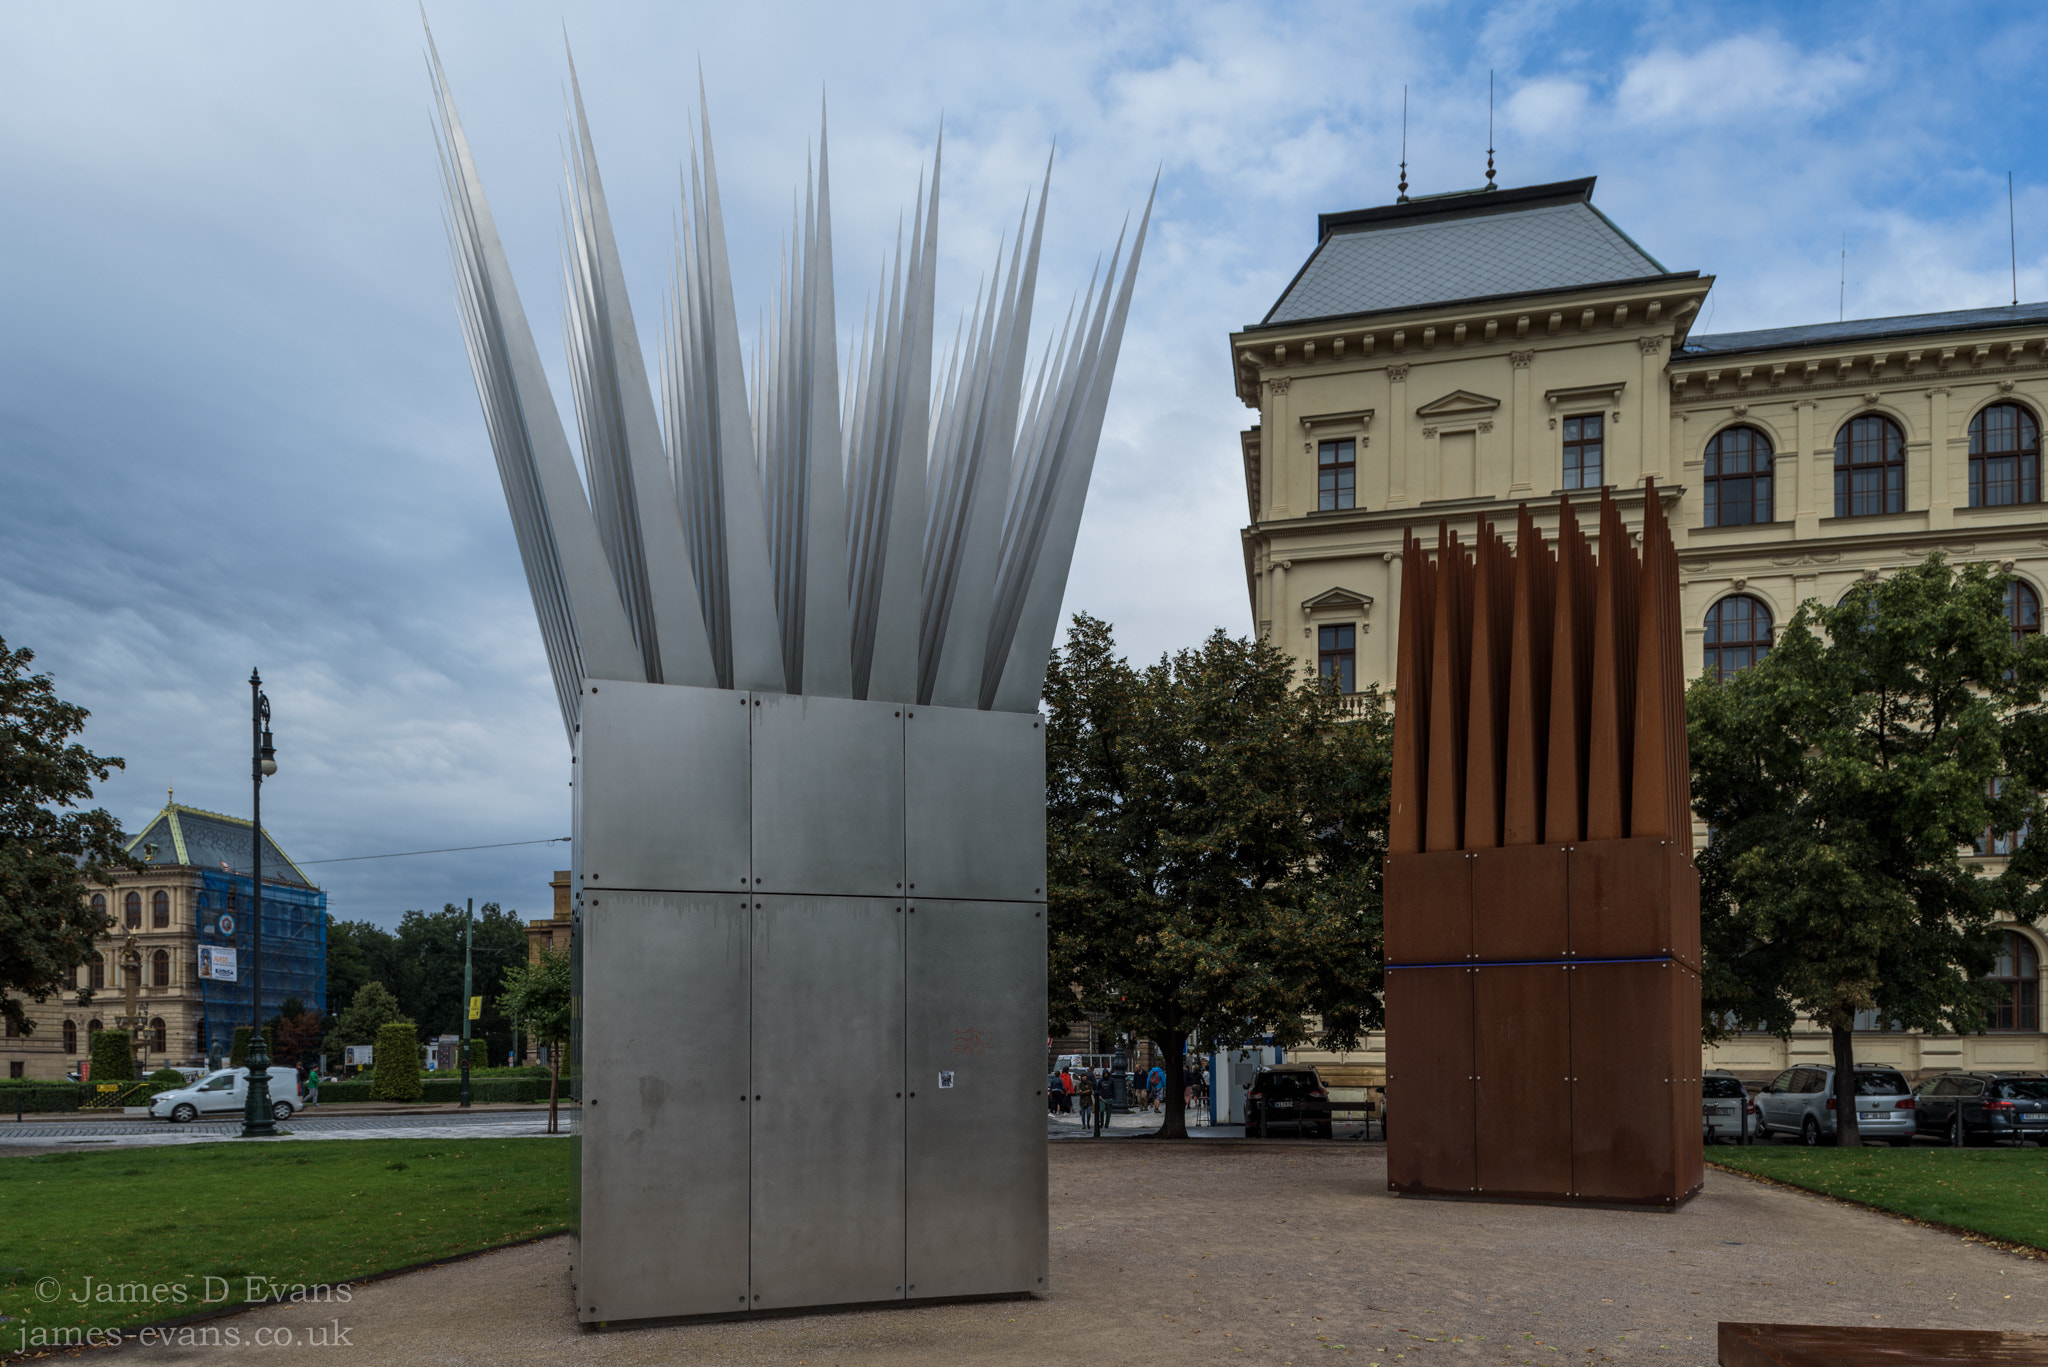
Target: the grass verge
(2001, 1194)
(131, 1237)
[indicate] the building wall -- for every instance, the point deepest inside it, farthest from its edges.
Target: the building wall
(1458, 416)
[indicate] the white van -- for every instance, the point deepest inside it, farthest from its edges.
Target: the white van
(226, 1093)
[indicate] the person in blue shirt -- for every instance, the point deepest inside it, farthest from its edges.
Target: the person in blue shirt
(1155, 1083)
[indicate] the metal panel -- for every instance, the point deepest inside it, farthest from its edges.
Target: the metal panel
(828, 796)
(1518, 903)
(827, 1184)
(1431, 1147)
(975, 798)
(663, 787)
(1429, 908)
(664, 1131)
(975, 1157)
(1622, 1147)
(1685, 906)
(1620, 898)
(1522, 1059)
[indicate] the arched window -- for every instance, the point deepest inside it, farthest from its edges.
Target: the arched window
(160, 968)
(2023, 610)
(99, 971)
(1738, 634)
(160, 910)
(1870, 467)
(2005, 457)
(131, 909)
(2017, 976)
(99, 905)
(159, 1037)
(70, 1036)
(1738, 478)
(92, 1028)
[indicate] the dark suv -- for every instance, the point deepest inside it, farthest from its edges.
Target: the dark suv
(1982, 1108)
(1288, 1095)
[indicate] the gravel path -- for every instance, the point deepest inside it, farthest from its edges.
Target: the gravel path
(1273, 1253)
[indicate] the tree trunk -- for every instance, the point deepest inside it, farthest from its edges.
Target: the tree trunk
(1174, 1124)
(1846, 1134)
(554, 1083)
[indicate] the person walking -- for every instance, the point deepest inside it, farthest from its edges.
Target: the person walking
(1102, 1103)
(1066, 1090)
(1084, 1097)
(1155, 1087)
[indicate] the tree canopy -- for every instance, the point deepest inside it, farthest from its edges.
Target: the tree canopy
(50, 851)
(538, 996)
(1844, 779)
(1215, 829)
(421, 964)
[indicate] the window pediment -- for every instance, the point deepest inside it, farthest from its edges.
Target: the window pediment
(1457, 402)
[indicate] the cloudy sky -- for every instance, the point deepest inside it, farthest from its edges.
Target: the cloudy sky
(237, 426)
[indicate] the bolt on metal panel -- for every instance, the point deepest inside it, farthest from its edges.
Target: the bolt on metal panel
(975, 1158)
(663, 787)
(975, 804)
(827, 1053)
(663, 1220)
(828, 796)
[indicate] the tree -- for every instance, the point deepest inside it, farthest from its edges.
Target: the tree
(357, 953)
(298, 1038)
(537, 996)
(238, 1052)
(49, 852)
(1214, 835)
(369, 1011)
(396, 1075)
(1843, 778)
(113, 1056)
(426, 968)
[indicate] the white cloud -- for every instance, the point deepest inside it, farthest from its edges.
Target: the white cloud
(1743, 78)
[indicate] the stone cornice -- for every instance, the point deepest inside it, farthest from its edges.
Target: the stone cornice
(1699, 384)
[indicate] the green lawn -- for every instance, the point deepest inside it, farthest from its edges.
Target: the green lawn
(2002, 1193)
(131, 1230)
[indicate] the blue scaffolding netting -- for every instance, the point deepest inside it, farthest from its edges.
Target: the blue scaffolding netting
(294, 951)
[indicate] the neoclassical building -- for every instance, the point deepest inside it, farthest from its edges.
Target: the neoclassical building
(194, 891)
(1446, 358)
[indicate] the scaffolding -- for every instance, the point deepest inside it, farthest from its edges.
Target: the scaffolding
(294, 952)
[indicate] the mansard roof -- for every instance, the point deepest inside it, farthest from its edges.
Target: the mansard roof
(1860, 330)
(1462, 247)
(192, 837)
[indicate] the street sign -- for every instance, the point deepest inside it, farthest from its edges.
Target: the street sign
(476, 1008)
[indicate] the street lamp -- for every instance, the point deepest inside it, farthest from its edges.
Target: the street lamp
(257, 1122)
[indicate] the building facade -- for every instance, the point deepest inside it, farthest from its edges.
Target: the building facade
(1446, 359)
(193, 892)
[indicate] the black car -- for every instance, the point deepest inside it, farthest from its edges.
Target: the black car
(1288, 1096)
(1983, 1108)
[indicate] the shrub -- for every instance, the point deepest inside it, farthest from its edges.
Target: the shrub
(238, 1057)
(397, 1065)
(35, 1095)
(355, 1090)
(479, 1056)
(113, 1060)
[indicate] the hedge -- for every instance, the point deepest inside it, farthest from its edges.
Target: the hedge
(37, 1096)
(113, 1060)
(397, 1069)
(446, 1090)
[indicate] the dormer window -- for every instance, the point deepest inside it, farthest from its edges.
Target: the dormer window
(1336, 475)
(1584, 448)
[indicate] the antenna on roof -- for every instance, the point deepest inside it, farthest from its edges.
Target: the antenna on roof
(1404, 146)
(1489, 132)
(2013, 234)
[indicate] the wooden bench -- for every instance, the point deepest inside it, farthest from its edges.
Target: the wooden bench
(1823, 1345)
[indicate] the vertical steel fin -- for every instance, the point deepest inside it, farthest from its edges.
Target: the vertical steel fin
(1528, 684)
(583, 624)
(1611, 716)
(1411, 699)
(1450, 680)
(1486, 722)
(1659, 796)
(827, 658)
(632, 488)
(1564, 793)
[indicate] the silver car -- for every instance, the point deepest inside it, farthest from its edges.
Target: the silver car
(1725, 1108)
(1801, 1101)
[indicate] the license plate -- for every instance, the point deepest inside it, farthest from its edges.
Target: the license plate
(2037, 1117)
(1872, 1115)
(1283, 1105)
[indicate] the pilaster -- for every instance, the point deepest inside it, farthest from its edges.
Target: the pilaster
(1521, 417)
(1397, 436)
(1812, 477)
(1941, 510)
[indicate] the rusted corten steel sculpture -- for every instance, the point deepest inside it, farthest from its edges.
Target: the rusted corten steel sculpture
(1542, 908)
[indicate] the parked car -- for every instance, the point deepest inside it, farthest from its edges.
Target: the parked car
(1801, 1101)
(1726, 1111)
(227, 1093)
(1969, 1109)
(1291, 1094)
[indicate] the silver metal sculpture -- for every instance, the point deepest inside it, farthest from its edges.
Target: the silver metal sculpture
(798, 636)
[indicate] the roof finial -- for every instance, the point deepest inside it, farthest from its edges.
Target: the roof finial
(1489, 132)
(1404, 146)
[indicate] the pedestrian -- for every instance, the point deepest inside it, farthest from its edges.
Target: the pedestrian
(312, 1086)
(1102, 1102)
(1155, 1087)
(1066, 1090)
(1084, 1097)
(1052, 1093)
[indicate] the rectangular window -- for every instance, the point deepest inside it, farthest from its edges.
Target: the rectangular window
(14, 1069)
(1336, 475)
(1337, 656)
(1582, 451)
(2020, 1008)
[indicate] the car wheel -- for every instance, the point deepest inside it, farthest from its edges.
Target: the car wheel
(1809, 1133)
(281, 1111)
(184, 1113)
